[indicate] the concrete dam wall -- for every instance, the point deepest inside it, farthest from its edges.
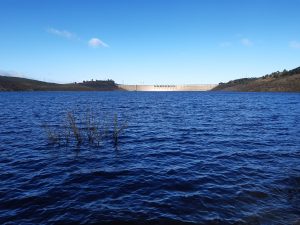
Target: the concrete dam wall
(192, 87)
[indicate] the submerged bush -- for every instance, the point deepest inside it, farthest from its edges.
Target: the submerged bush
(118, 129)
(86, 130)
(52, 135)
(74, 128)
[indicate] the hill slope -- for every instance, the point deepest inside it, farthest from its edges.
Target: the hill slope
(285, 81)
(8, 83)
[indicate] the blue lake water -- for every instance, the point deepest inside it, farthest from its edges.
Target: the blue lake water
(185, 158)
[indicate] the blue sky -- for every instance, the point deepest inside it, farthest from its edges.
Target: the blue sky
(148, 41)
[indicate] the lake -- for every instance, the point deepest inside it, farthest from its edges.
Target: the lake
(183, 158)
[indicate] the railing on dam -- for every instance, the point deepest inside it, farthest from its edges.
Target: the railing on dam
(191, 87)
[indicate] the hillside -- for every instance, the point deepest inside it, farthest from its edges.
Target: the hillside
(8, 83)
(285, 81)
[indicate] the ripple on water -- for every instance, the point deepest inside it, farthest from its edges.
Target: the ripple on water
(185, 158)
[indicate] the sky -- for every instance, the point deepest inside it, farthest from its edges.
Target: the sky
(148, 41)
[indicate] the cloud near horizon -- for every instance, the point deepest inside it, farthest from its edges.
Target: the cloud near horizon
(96, 42)
(246, 42)
(225, 44)
(242, 41)
(62, 33)
(12, 73)
(295, 44)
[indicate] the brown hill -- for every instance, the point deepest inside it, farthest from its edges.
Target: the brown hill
(285, 81)
(8, 83)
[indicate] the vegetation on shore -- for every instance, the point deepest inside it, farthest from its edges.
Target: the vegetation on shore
(285, 81)
(8, 83)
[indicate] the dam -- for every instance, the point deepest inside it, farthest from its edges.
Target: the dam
(187, 87)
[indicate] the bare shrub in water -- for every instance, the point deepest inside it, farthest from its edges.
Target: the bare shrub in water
(90, 127)
(74, 128)
(93, 131)
(117, 130)
(89, 131)
(53, 136)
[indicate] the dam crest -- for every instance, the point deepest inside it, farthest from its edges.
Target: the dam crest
(186, 87)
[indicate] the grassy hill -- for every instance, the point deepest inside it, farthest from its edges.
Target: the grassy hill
(8, 83)
(285, 81)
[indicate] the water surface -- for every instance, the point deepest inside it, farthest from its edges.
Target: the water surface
(186, 157)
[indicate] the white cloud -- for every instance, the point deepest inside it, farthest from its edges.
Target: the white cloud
(246, 42)
(225, 44)
(7, 73)
(11, 73)
(95, 42)
(295, 44)
(62, 33)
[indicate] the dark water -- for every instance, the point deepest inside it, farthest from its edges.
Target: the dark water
(194, 158)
